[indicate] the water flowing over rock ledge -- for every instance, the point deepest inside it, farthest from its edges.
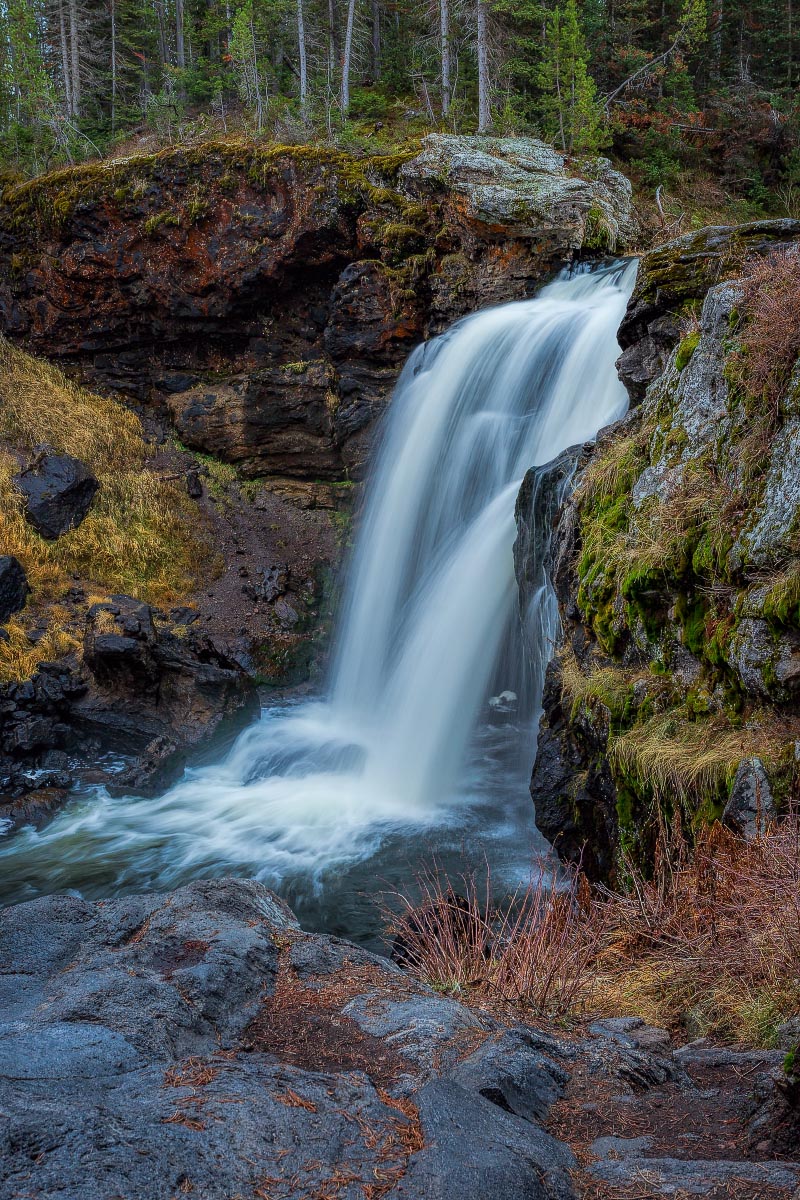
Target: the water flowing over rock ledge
(265, 298)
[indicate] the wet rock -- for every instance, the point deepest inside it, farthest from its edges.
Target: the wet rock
(35, 724)
(119, 641)
(152, 681)
(58, 491)
(130, 1062)
(572, 789)
(751, 807)
(14, 589)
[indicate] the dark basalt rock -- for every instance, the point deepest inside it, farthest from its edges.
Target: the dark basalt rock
(571, 785)
(149, 683)
(193, 1043)
(58, 492)
(143, 690)
(14, 587)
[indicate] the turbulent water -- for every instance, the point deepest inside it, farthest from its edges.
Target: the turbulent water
(430, 630)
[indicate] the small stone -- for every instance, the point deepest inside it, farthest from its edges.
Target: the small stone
(751, 808)
(194, 487)
(14, 587)
(788, 1034)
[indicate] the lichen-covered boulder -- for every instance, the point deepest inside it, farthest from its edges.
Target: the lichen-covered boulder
(751, 807)
(521, 187)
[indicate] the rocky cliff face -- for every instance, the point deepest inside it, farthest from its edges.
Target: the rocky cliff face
(676, 563)
(265, 298)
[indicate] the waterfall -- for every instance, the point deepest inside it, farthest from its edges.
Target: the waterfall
(429, 626)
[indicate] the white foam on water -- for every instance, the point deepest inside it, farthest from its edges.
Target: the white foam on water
(429, 623)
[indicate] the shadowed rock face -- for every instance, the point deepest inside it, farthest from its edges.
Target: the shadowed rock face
(145, 688)
(200, 1042)
(14, 587)
(265, 299)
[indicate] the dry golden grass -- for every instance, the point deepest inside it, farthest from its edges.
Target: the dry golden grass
(19, 657)
(770, 333)
(39, 404)
(141, 536)
(686, 759)
(605, 683)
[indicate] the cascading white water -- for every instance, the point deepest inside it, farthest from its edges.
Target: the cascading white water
(430, 604)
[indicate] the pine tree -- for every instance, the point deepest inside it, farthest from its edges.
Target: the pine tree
(572, 114)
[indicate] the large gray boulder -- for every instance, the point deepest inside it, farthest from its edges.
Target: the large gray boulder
(521, 187)
(200, 1043)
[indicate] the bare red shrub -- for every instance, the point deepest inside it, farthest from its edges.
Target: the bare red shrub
(770, 331)
(537, 949)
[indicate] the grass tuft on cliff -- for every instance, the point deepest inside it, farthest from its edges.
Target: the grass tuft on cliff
(141, 536)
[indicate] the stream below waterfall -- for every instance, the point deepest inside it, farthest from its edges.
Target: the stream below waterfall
(422, 744)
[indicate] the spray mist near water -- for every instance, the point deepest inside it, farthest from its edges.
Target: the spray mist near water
(429, 627)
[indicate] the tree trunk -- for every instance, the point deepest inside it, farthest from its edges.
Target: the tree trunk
(301, 41)
(444, 29)
(715, 65)
(66, 70)
(257, 79)
(75, 60)
(163, 55)
(333, 41)
(790, 43)
(113, 67)
(376, 40)
(484, 83)
(347, 58)
(180, 47)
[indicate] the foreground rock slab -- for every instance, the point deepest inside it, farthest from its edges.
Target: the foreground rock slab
(200, 1043)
